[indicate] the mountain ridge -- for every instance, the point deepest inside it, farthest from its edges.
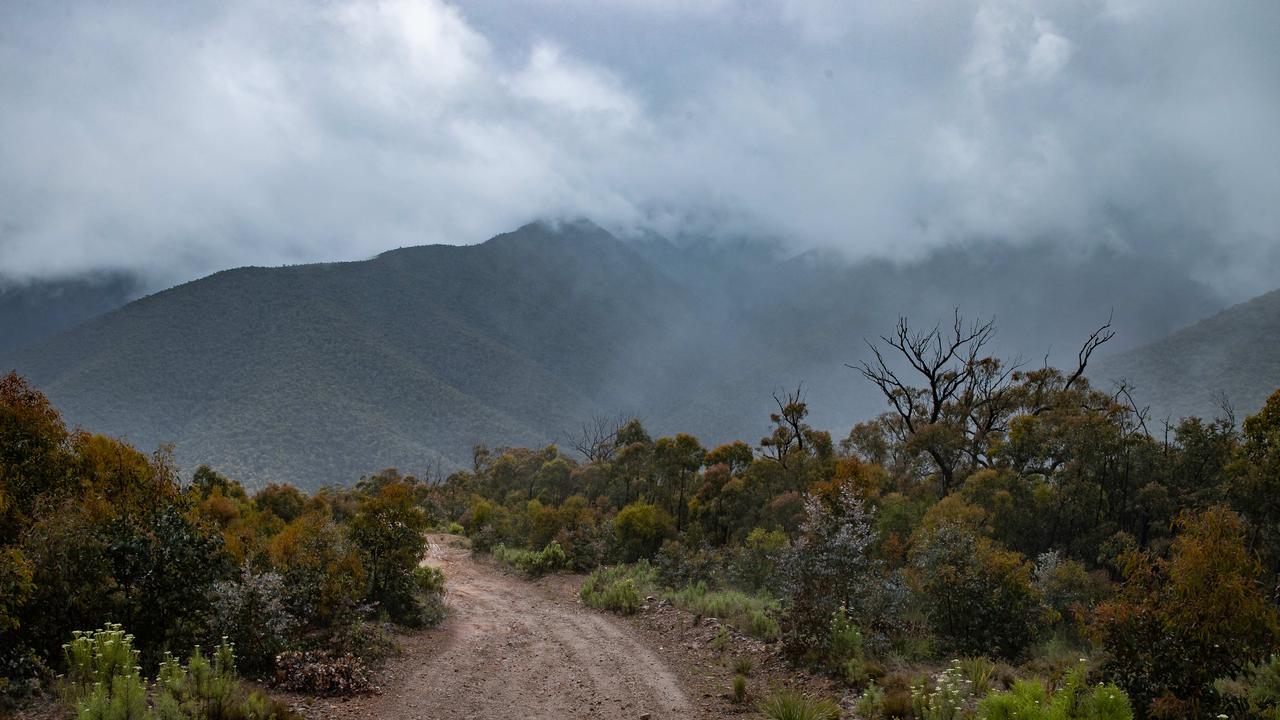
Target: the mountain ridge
(319, 373)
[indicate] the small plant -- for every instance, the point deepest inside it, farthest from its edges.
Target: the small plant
(743, 666)
(532, 564)
(104, 683)
(739, 688)
(617, 589)
(720, 642)
(1256, 690)
(1031, 700)
(980, 672)
(870, 704)
(791, 705)
(752, 614)
(951, 690)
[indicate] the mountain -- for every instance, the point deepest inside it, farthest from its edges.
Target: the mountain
(36, 309)
(317, 374)
(1234, 355)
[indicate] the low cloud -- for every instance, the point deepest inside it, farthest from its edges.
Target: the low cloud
(175, 139)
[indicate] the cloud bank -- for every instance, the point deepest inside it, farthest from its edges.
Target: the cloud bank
(174, 139)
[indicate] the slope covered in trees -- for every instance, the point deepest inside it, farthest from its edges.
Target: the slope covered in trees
(316, 374)
(33, 310)
(1232, 356)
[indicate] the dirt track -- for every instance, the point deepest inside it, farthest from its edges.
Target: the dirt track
(510, 648)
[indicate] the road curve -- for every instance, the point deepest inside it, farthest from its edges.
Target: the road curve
(513, 649)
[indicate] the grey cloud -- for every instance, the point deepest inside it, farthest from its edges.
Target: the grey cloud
(176, 139)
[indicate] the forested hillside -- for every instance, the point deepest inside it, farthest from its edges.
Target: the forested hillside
(1233, 356)
(317, 374)
(36, 309)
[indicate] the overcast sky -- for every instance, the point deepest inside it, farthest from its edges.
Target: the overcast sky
(181, 138)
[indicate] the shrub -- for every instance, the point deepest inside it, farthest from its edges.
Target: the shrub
(980, 673)
(104, 682)
(739, 688)
(430, 585)
(324, 578)
(756, 564)
(720, 642)
(1179, 624)
(743, 666)
(390, 531)
(870, 705)
(946, 700)
(1075, 700)
(532, 564)
(617, 589)
(252, 612)
(829, 568)
(791, 705)
(977, 596)
(752, 614)
(678, 564)
(639, 530)
(1066, 587)
(323, 673)
(1254, 693)
(844, 648)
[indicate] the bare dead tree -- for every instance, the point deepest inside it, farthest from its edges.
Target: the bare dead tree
(952, 367)
(596, 440)
(950, 398)
(1226, 409)
(1096, 339)
(1124, 396)
(790, 430)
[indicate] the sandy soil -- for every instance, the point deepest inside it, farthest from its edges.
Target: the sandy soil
(511, 648)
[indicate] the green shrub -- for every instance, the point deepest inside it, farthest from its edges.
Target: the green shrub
(739, 688)
(980, 674)
(390, 531)
(1255, 692)
(532, 564)
(252, 612)
(978, 597)
(871, 704)
(752, 614)
(429, 582)
(639, 530)
(104, 682)
(791, 705)
(1182, 622)
(844, 649)
(721, 641)
(743, 666)
(617, 589)
(1075, 700)
(756, 564)
(947, 698)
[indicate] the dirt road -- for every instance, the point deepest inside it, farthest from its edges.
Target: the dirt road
(514, 649)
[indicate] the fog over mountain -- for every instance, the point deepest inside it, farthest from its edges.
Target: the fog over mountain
(178, 139)
(768, 185)
(317, 374)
